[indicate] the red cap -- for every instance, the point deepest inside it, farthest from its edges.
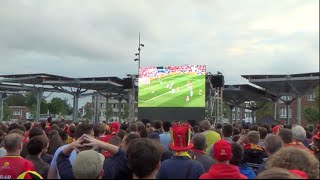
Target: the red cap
(114, 127)
(222, 150)
(276, 129)
(299, 174)
(180, 137)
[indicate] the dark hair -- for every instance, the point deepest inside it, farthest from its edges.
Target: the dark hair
(63, 135)
(199, 142)
(133, 127)
(141, 151)
(141, 127)
(52, 133)
(12, 141)
(154, 136)
(238, 154)
(286, 135)
(227, 130)
(82, 129)
(235, 138)
(273, 143)
(236, 131)
(195, 129)
(22, 128)
(166, 126)
(115, 140)
(55, 143)
(97, 129)
(130, 137)
(54, 127)
(13, 126)
(36, 131)
(36, 145)
(219, 126)
(43, 124)
(49, 119)
(143, 133)
(254, 127)
(262, 132)
(62, 125)
(121, 133)
(268, 128)
(28, 126)
(158, 124)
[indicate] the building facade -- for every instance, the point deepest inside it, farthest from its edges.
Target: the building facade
(19, 112)
(114, 109)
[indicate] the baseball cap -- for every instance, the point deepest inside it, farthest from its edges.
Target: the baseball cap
(88, 164)
(222, 150)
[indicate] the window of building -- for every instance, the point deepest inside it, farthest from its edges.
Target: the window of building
(285, 98)
(114, 105)
(311, 96)
(283, 112)
(102, 105)
(16, 113)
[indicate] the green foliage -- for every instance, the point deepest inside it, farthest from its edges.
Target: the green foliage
(125, 114)
(31, 99)
(7, 112)
(266, 110)
(16, 100)
(58, 105)
(312, 113)
(88, 114)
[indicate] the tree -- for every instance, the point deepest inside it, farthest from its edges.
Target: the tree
(88, 114)
(125, 114)
(58, 105)
(31, 99)
(16, 100)
(311, 113)
(7, 112)
(266, 110)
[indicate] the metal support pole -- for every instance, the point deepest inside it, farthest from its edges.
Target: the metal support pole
(119, 108)
(96, 103)
(139, 54)
(236, 114)
(287, 109)
(107, 106)
(252, 115)
(39, 97)
(298, 109)
(275, 110)
(230, 119)
(1, 107)
(75, 106)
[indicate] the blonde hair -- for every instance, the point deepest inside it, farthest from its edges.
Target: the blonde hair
(293, 158)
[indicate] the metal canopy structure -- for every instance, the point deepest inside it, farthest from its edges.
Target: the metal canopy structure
(295, 85)
(52, 83)
(235, 95)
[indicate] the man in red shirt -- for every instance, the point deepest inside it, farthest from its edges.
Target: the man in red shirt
(12, 165)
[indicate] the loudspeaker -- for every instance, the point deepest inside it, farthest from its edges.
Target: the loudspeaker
(127, 83)
(217, 81)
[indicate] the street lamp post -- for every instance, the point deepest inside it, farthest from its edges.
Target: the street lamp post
(138, 53)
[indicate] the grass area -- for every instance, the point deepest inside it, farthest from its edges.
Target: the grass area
(157, 93)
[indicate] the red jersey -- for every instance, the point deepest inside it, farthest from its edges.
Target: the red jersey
(12, 166)
(106, 138)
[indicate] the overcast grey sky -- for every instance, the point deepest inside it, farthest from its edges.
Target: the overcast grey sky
(80, 38)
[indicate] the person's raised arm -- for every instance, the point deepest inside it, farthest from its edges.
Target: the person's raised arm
(95, 144)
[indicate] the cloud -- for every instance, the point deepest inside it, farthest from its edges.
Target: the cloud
(99, 38)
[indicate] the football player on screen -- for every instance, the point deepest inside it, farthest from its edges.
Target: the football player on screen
(187, 99)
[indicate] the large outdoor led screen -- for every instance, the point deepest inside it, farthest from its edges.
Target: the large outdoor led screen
(172, 86)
